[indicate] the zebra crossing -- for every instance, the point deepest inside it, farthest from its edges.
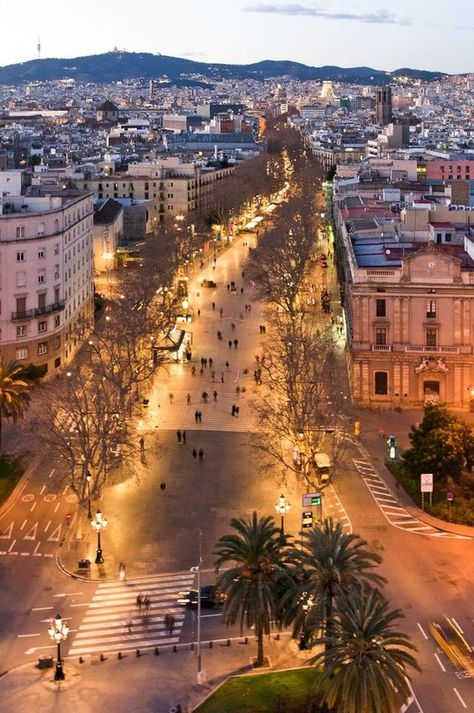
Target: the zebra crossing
(113, 622)
(396, 515)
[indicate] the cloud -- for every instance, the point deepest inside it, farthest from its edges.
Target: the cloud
(381, 17)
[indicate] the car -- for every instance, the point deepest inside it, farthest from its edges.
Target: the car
(209, 598)
(450, 639)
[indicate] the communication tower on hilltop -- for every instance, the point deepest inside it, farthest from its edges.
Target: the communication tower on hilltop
(38, 48)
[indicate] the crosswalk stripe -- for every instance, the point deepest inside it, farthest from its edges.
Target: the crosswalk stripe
(140, 583)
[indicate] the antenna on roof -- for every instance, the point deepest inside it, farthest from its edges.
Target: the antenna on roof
(38, 48)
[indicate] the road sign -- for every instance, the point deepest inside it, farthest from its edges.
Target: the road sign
(426, 482)
(307, 518)
(450, 496)
(311, 500)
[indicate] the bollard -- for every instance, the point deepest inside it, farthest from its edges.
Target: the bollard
(175, 648)
(137, 653)
(210, 644)
(81, 660)
(157, 651)
(119, 655)
(228, 642)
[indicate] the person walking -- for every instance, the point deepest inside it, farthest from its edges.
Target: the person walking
(199, 313)
(142, 445)
(194, 453)
(219, 336)
(178, 436)
(129, 623)
(193, 371)
(188, 399)
(241, 290)
(222, 377)
(236, 343)
(196, 416)
(201, 455)
(205, 363)
(214, 393)
(227, 365)
(228, 287)
(163, 488)
(221, 311)
(213, 306)
(233, 410)
(200, 416)
(211, 362)
(139, 601)
(232, 326)
(171, 397)
(184, 438)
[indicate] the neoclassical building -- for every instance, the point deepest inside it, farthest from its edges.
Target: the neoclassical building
(46, 277)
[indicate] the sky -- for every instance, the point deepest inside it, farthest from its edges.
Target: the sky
(422, 34)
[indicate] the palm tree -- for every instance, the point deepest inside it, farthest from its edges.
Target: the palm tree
(256, 577)
(14, 396)
(366, 665)
(330, 563)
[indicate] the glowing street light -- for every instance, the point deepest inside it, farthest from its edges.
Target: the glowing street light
(58, 631)
(282, 508)
(99, 522)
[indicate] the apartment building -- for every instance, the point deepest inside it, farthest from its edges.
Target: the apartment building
(174, 188)
(409, 302)
(46, 280)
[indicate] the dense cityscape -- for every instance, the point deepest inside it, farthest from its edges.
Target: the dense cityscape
(236, 384)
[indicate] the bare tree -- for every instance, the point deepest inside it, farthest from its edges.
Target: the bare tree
(83, 425)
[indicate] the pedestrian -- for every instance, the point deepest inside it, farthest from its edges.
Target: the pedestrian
(227, 365)
(230, 343)
(122, 571)
(219, 335)
(188, 399)
(194, 453)
(163, 488)
(211, 362)
(201, 455)
(171, 397)
(196, 416)
(228, 287)
(205, 396)
(237, 409)
(237, 390)
(257, 359)
(213, 306)
(178, 436)
(232, 411)
(199, 312)
(147, 603)
(241, 290)
(200, 416)
(236, 343)
(139, 601)
(193, 371)
(232, 325)
(214, 393)
(243, 274)
(201, 371)
(222, 377)
(142, 445)
(221, 311)
(205, 363)
(213, 376)
(264, 329)
(184, 437)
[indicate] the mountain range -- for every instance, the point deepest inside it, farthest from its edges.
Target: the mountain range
(118, 66)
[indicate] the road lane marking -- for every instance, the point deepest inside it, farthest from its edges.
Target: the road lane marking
(461, 700)
(38, 648)
(41, 608)
(23, 524)
(12, 545)
(440, 662)
(422, 630)
(65, 490)
(36, 548)
(6, 534)
(26, 636)
(206, 616)
(453, 619)
(55, 535)
(42, 489)
(33, 506)
(31, 534)
(80, 605)
(57, 507)
(24, 554)
(47, 526)
(51, 474)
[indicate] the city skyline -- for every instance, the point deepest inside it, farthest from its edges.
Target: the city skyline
(325, 33)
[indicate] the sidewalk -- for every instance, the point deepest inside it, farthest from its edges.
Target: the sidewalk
(139, 684)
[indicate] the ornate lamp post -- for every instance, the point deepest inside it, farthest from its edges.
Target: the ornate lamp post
(58, 631)
(99, 522)
(282, 508)
(88, 481)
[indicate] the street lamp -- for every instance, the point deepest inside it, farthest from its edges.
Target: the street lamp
(99, 522)
(58, 631)
(198, 627)
(282, 508)
(91, 344)
(306, 606)
(88, 481)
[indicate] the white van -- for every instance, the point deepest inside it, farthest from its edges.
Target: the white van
(323, 467)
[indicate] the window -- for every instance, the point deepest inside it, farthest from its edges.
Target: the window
(20, 256)
(57, 363)
(21, 354)
(431, 337)
(57, 342)
(42, 301)
(381, 383)
(56, 249)
(447, 238)
(56, 272)
(57, 321)
(56, 295)
(20, 305)
(20, 231)
(42, 348)
(41, 276)
(41, 254)
(380, 308)
(380, 336)
(21, 330)
(21, 279)
(42, 327)
(431, 309)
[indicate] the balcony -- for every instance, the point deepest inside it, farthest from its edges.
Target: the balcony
(381, 347)
(39, 311)
(423, 349)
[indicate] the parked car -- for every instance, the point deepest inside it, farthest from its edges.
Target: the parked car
(323, 467)
(209, 598)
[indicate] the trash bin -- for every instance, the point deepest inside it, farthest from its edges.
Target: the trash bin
(84, 564)
(45, 661)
